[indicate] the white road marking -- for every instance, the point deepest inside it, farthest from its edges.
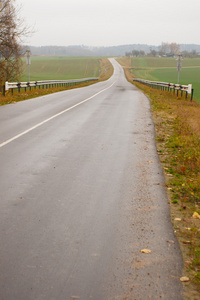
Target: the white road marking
(51, 118)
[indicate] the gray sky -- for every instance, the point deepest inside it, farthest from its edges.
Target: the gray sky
(111, 22)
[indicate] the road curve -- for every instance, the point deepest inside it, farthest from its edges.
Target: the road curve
(81, 194)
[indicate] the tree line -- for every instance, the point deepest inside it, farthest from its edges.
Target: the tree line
(165, 49)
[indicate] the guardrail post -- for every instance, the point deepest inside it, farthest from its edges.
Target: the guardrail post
(192, 94)
(18, 87)
(4, 90)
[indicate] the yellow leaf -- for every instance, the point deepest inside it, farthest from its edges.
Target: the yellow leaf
(184, 279)
(196, 215)
(146, 251)
(187, 242)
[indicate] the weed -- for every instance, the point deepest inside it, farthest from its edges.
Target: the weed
(175, 201)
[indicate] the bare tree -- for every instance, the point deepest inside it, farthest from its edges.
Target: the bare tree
(163, 49)
(174, 48)
(11, 30)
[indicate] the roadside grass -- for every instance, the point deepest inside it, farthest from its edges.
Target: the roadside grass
(164, 69)
(177, 126)
(105, 71)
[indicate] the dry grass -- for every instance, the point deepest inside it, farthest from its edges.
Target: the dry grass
(190, 114)
(106, 69)
(126, 63)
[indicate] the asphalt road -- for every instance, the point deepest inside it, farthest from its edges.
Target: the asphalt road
(81, 193)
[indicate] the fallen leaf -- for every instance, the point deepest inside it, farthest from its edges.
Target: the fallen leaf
(196, 215)
(146, 251)
(184, 279)
(186, 242)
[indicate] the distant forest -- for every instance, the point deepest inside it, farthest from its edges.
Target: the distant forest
(105, 51)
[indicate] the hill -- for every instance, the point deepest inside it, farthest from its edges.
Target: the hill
(101, 51)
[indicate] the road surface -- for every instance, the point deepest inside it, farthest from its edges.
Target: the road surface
(81, 194)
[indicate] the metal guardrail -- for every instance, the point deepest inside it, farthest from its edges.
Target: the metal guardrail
(165, 86)
(43, 84)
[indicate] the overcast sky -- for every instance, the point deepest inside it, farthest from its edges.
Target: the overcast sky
(111, 22)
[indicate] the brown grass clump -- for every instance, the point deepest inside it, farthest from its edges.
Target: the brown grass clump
(189, 113)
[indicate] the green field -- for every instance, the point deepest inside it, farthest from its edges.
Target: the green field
(164, 69)
(61, 68)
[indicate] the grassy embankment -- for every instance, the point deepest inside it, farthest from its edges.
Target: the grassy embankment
(59, 68)
(177, 125)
